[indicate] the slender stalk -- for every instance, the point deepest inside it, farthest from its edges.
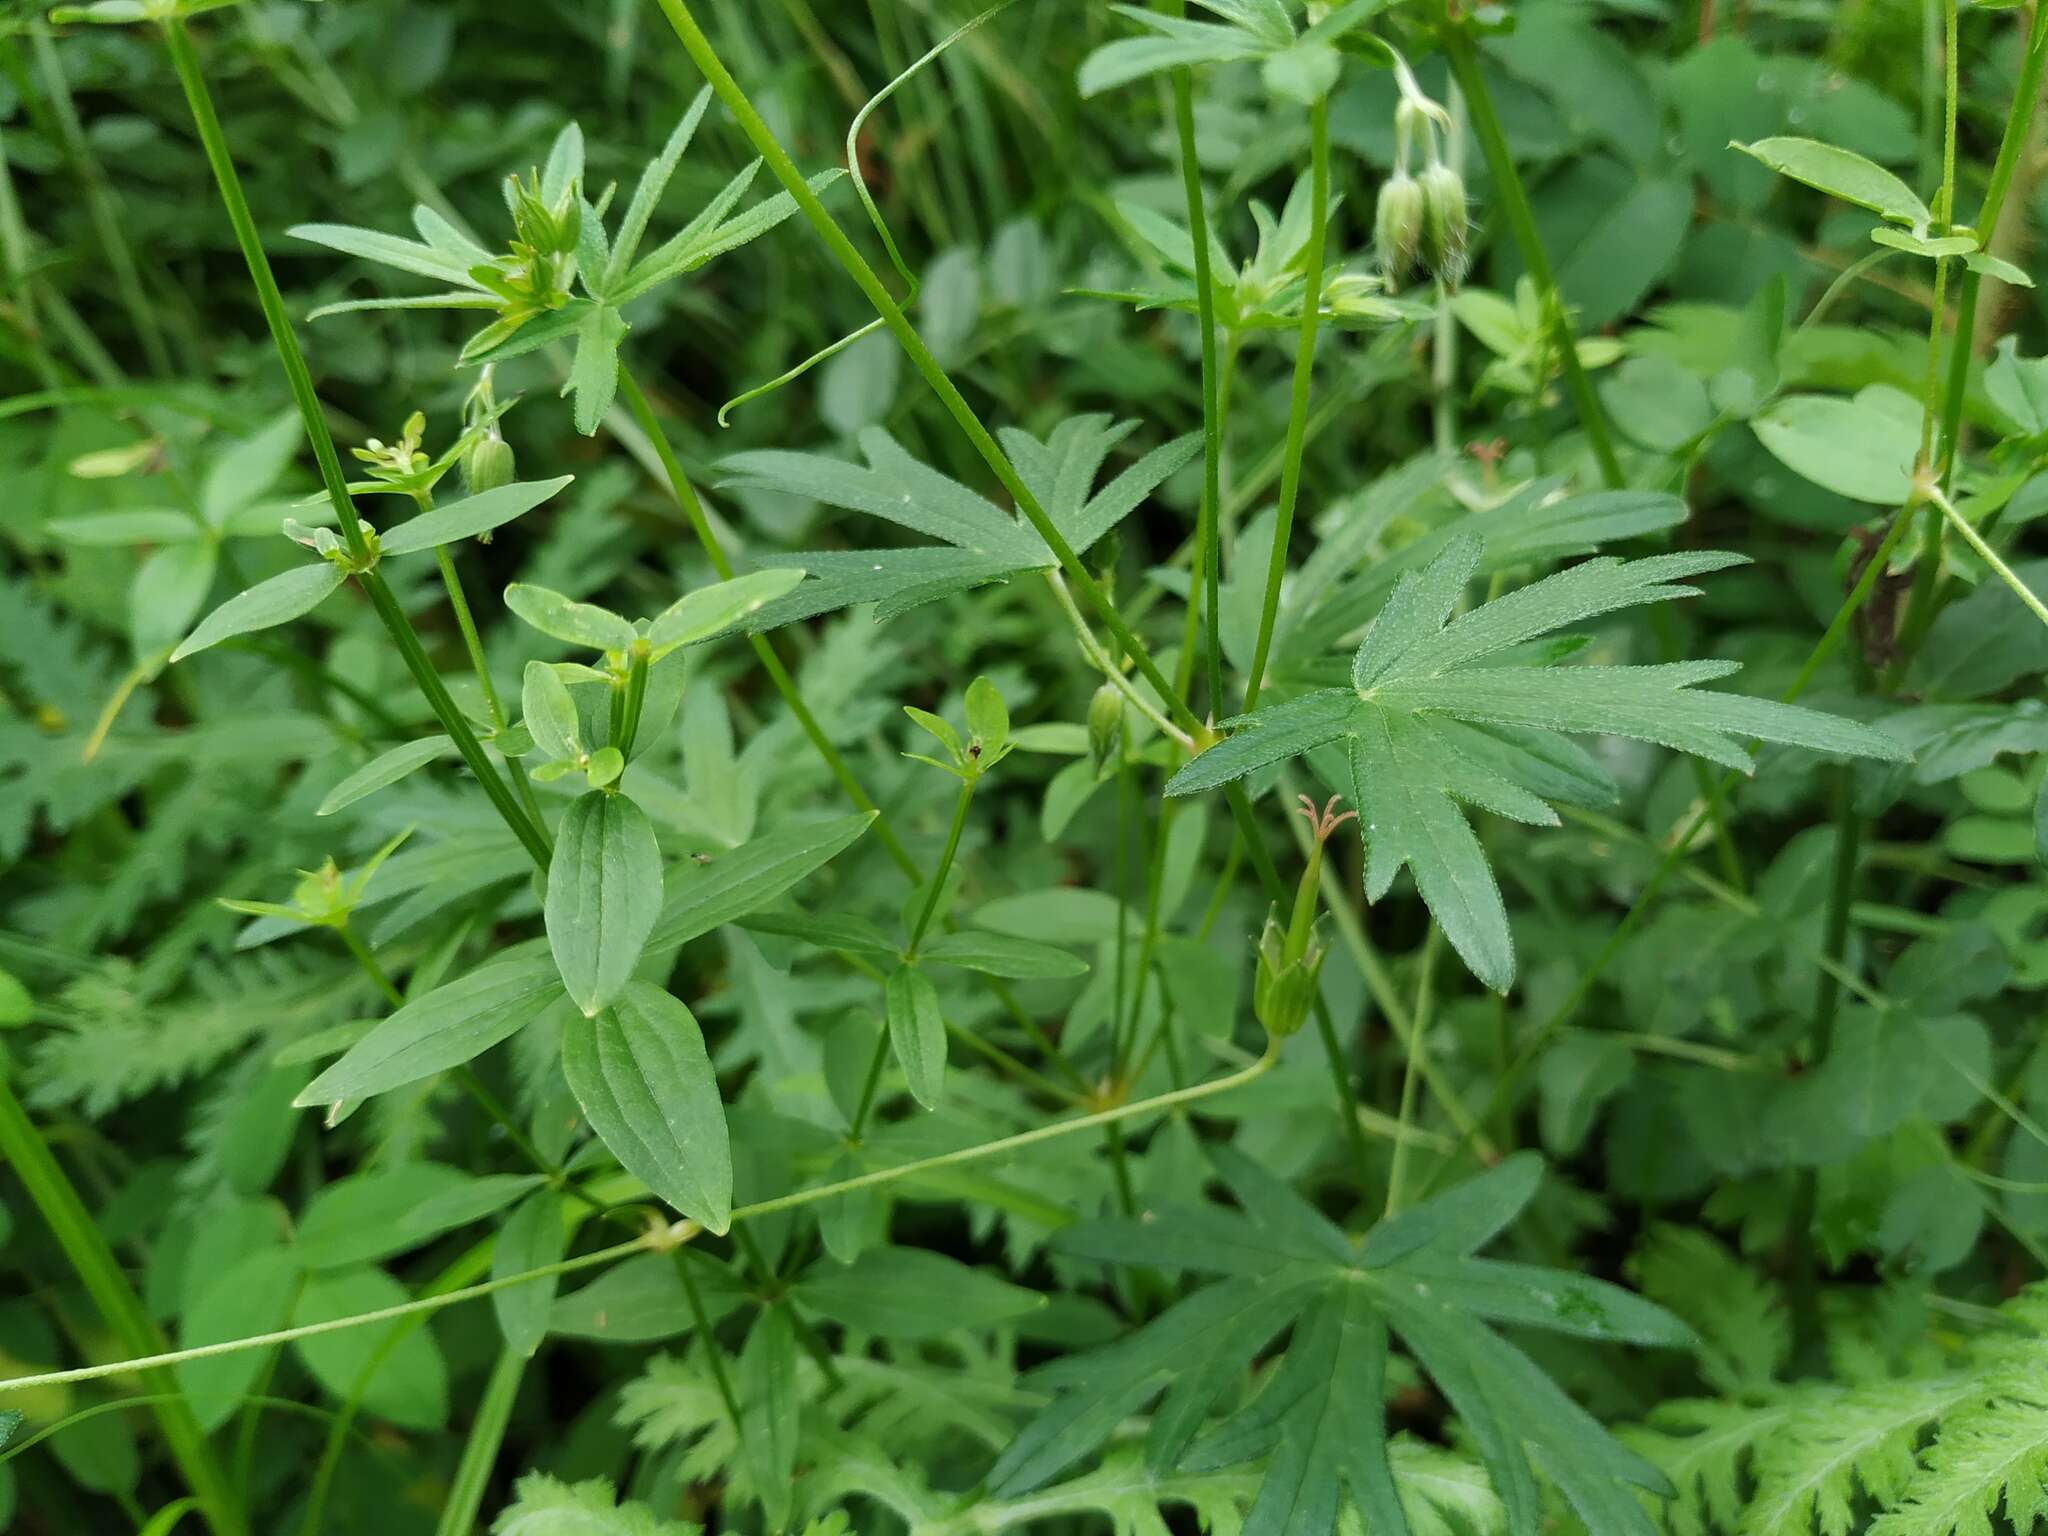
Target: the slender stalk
(57, 1199)
(458, 601)
(928, 367)
(1985, 552)
(785, 685)
(480, 1450)
(200, 100)
(702, 1320)
(1514, 200)
(1418, 1045)
(937, 884)
(1205, 573)
(1107, 665)
(1297, 405)
(659, 1240)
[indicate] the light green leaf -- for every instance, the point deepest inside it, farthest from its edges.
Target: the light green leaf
(577, 623)
(450, 1025)
(1842, 173)
(604, 894)
(267, 604)
(549, 713)
(917, 1032)
(999, 954)
(704, 896)
(912, 1293)
(409, 1385)
(533, 1237)
(594, 375)
(390, 251)
(470, 516)
(1861, 448)
(383, 769)
(145, 525)
(641, 1073)
(700, 614)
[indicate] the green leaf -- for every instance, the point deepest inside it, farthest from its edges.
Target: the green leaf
(549, 713)
(1176, 43)
(253, 1296)
(647, 193)
(267, 604)
(360, 1218)
(1842, 173)
(704, 896)
(594, 375)
(604, 894)
(1418, 671)
(449, 1026)
(533, 1237)
(707, 611)
(389, 251)
(384, 769)
(546, 1506)
(583, 624)
(407, 1380)
(769, 1410)
(146, 525)
(998, 954)
(640, 1071)
(470, 516)
(911, 1293)
(1861, 448)
(917, 1032)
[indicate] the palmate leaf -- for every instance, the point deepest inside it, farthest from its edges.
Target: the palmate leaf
(1320, 1418)
(983, 543)
(1421, 678)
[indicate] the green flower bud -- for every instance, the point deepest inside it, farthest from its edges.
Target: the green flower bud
(1105, 726)
(1445, 223)
(1398, 226)
(487, 463)
(1285, 985)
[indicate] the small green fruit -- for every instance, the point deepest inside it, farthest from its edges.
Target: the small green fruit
(487, 463)
(1398, 226)
(1445, 224)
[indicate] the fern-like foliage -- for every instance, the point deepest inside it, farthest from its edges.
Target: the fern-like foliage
(1440, 714)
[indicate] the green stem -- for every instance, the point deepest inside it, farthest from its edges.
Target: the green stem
(1986, 553)
(635, 702)
(1205, 574)
(1297, 405)
(368, 962)
(702, 1320)
(229, 182)
(458, 600)
(1514, 200)
(937, 884)
(55, 1197)
(856, 266)
(693, 509)
(1418, 1041)
(480, 1450)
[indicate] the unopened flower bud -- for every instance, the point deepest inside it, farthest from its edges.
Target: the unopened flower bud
(487, 463)
(1105, 726)
(1398, 226)
(1445, 223)
(1285, 984)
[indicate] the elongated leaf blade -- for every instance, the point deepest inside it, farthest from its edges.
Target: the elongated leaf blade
(264, 606)
(470, 516)
(604, 894)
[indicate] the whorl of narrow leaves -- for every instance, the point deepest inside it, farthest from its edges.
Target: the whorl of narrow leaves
(1431, 695)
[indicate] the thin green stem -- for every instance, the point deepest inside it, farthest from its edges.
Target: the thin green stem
(928, 367)
(1297, 404)
(1514, 199)
(480, 1449)
(686, 496)
(633, 703)
(458, 601)
(1106, 664)
(1985, 552)
(1418, 1046)
(702, 1320)
(197, 97)
(57, 1199)
(368, 962)
(937, 885)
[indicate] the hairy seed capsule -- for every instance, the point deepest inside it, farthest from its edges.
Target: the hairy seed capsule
(1446, 224)
(1398, 226)
(487, 464)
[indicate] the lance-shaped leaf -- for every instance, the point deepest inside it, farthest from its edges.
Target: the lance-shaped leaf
(917, 1033)
(267, 604)
(1421, 681)
(703, 896)
(604, 893)
(644, 1079)
(700, 614)
(470, 516)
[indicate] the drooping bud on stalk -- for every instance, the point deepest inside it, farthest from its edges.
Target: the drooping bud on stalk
(1398, 225)
(1105, 727)
(487, 463)
(1291, 960)
(1445, 223)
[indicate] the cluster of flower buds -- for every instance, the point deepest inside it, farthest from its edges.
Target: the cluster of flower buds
(534, 275)
(1421, 219)
(1291, 958)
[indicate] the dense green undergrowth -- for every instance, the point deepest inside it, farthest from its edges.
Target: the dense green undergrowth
(837, 767)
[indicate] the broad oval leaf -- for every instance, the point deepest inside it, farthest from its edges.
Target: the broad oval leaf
(566, 619)
(472, 515)
(267, 604)
(1861, 448)
(644, 1079)
(604, 893)
(447, 1027)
